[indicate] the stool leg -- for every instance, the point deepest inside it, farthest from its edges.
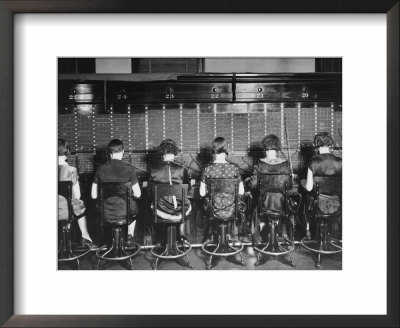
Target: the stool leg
(272, 235)
(209, 262)
(321, 238)
(186, 255)
(171, 240)
(318, 264)
(131, 264)
(157, 259)
(291, 260)
(66, 244)
(259, 257)
(112, 248)
(117, 242)
(65, 247)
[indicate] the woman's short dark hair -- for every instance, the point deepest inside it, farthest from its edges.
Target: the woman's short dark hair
(323, 139)
(271, 142)
(168, 146)
(63, 148)
(115, 146)
(219, 146)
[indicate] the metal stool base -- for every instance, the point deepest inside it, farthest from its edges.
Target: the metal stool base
(330, 246)
(117, 252)
(68, 253)
(276, 249)
(172, 250)
(226, 247)
(274, 246)
(323, 244)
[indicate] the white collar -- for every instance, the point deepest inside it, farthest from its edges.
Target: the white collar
(62, 160)
(276, 160)
(168, 157)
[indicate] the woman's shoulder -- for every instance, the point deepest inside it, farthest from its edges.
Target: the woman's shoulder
(66, 172)
(208, 168)
(67, 168)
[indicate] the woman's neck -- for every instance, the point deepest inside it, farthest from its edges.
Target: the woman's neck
(118, 156)
(220, 158)
(323, 150)
(168, 157)
(271, 154)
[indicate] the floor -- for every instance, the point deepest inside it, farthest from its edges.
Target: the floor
(303, 259)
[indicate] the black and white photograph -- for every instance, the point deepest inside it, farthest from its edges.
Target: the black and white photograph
(199, 163)
(193, 158)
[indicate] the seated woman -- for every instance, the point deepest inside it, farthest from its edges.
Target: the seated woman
(221, 169)
(170, 172)
(271, 164)
(116, 170)
(69, 173)
(323, 164)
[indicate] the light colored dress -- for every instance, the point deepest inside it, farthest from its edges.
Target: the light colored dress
(69, 173)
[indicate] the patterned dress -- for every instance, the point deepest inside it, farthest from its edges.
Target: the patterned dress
(224, 200)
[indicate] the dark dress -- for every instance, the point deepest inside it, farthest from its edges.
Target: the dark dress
(159, 173)
(167, 172)
(274, 201)
(115, 170)
(324, 165)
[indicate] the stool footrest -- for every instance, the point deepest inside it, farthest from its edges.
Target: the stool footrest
(169, 253)
(122, 254)
(276, 249)
(230, 248)
(331, 246)
(69, 254)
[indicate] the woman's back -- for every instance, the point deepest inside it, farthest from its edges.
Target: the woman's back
(220, 171)
(326, 165)
(169, 172)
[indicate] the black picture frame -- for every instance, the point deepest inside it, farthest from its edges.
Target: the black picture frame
(10, 7)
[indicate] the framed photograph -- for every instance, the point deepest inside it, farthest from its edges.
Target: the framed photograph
(143, 85)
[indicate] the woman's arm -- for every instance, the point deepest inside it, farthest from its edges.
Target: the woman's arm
(202, 190)
(136, 190)
(310, 180)
(241, 188)
(76, 190)
(75, 183)
(94, 191)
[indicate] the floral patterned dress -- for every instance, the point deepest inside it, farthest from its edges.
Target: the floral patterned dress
(224, 201)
